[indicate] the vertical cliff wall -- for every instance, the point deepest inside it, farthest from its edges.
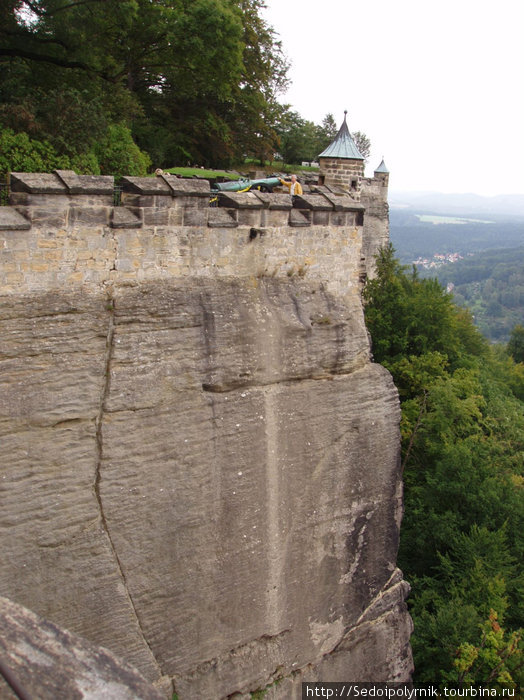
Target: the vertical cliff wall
(200, 462)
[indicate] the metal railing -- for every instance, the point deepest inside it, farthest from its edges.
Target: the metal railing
(117, 195)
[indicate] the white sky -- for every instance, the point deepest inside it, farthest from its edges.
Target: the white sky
(438, 87)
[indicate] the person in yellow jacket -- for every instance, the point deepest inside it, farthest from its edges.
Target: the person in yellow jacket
(294, 186)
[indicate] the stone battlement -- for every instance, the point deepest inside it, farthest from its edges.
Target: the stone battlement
(63, 228)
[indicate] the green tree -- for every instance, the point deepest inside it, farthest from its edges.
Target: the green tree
(19, 153)
(194, 79)
(462, 430)
(363, 144)
(516, 343)
(118, 155)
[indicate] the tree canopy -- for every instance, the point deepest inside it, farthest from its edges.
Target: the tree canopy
(462, 427)
(193, 80)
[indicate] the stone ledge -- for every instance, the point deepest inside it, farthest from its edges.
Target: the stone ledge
(313, 201)
(45, 661)
(274, 200)
(146, 186)
(62, 182)
(122, 217)
(298, 218)
(239, 200)
(343, 202)
(86, 184)
(37, 183)
(11, 220)
(187, 186)
(221, 218)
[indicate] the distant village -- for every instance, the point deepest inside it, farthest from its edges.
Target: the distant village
(438, 260)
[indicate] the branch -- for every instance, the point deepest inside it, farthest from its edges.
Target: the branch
(54, 60)
(34, 37)
(48, 13)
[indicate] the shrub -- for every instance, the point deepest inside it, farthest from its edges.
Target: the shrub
(118, 154)
(19, 153)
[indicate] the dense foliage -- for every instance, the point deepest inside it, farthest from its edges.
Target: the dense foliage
(180, 82)
(192, 79)
(462, 544)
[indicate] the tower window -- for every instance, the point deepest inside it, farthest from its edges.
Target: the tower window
(354, 184)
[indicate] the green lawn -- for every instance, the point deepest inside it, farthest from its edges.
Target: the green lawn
(190, 172)
(275, 167)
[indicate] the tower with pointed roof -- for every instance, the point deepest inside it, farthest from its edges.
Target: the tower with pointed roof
(382, 173)
(342, 164)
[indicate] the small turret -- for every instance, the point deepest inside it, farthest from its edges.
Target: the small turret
(382, 173)
(341, 163)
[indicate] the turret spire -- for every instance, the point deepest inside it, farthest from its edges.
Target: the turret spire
(343, 146)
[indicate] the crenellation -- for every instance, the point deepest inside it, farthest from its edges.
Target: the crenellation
(63, 229)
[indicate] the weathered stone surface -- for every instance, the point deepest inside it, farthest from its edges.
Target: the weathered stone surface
(41, 660)
(11, 220)
(221, 218)
(240, 200)
(203, 476)
(313, 201)
(298, 218)
(274, 200)
(86, 184)
(42, 183)
(122, 217)
(187, 186)
(199, 464)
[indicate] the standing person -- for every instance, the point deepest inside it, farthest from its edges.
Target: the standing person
(295, 187)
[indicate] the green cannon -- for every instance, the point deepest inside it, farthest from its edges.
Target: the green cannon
(265, 184)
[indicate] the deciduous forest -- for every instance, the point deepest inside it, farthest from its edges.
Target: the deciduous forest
(126, 86)
(462, 428)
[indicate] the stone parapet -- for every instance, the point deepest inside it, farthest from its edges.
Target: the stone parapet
(62, 229)
(63, 199)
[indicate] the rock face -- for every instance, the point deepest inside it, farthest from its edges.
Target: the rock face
(41, 660)
(200, 472)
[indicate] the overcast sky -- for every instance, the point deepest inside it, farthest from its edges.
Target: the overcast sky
(438, 87)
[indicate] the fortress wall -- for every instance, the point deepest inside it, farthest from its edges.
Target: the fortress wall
(376, 223)
(54, 240)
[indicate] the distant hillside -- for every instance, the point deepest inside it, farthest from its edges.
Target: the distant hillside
(419, 234)
(484, 239)
(465, 204)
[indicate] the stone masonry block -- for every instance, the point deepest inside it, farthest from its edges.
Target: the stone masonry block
(299, 218)
(90, 216)
(188, 186)
(221, 218)
(239, 200)
(11, 220)
(122, 217)
(195, 217)
(313, 201)
(145, 186)
(44, 183)
(86, 184)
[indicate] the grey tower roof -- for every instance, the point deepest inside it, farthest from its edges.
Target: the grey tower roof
(382, 167)
(343, 146)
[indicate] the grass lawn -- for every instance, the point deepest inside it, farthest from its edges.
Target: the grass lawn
(189, 172)
(275, 167)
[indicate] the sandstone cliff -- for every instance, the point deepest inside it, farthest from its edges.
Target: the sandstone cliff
(199, 460)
